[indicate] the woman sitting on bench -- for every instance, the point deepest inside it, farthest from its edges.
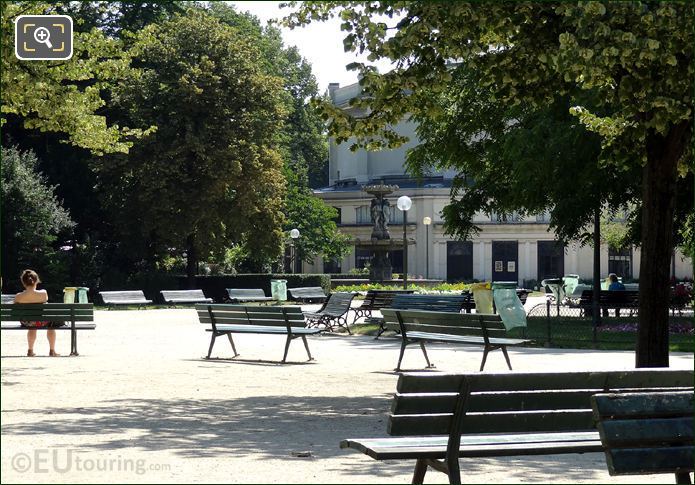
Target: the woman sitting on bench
(30, 294)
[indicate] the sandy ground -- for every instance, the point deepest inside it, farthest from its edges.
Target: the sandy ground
(141, 405)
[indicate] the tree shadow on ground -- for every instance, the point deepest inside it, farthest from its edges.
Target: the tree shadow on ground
(264, 427)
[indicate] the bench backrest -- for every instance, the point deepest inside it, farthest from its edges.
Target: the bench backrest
(437, 404)
(338, 303)
(52, 312)
(307, 292)
(242, 293)
(646, 433)
(437, 303)
(120, 296)
(169, 295)
(273, 316)
(477, 324)
(7, 299)
(376, 299)
(627, 298)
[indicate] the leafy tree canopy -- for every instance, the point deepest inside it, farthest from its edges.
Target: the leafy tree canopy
(32, 216)
(64, 96)
(211, 174)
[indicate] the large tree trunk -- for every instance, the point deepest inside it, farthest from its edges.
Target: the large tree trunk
(659, 178)
(191, 261)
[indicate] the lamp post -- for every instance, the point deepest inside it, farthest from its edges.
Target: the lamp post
(427, 221)
(404, 203)
(294, 234)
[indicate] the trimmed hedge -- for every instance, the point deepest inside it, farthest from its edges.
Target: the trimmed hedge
(214, 286)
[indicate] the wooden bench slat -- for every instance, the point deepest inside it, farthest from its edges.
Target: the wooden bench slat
(632, 432)
(522, 381)
(78, 326)
(636, 404)
(264, 329)
(544, 420)
(477, 445)
(638, 461)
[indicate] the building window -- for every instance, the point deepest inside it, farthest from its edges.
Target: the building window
(620, 261)
(332, 266)
(362, 257)
(362, 215)
(551, 259)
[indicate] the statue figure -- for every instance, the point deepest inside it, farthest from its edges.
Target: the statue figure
(384, 218)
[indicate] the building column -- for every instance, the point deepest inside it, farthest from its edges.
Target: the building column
(527, 274)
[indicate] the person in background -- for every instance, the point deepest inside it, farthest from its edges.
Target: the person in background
(614, 284)
(30, 280)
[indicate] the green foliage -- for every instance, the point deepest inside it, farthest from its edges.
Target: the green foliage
(32, 219)
(64, 96)
(318, 233)
(210, 176)
(442, 287)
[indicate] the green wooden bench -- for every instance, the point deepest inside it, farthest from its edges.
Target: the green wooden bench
(242, 295)
(132, 297)
(646, 433)
(227, 319)
(333, 313)
(174, 297)
(456, 328)
(74, 315)
(376, 300)
(434, 303)
(436, 419)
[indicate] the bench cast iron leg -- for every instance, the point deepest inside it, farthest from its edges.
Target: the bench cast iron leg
(506, 357)
(345, 320)
(404, 342)
(482, 364)
(420, 470)
(424, 351)
(382, 329)
(212, 343)
(73, 342)
(287, 348)
(231, 341)
(306, 346)
(683, 478)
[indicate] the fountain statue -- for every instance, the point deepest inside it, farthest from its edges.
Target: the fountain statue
(381, 242)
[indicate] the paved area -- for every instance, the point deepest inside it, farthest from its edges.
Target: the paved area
(141, 405)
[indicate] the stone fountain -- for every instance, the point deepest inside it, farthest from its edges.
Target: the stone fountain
(380, 243)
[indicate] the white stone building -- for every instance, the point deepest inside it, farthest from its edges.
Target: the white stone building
(518, 249)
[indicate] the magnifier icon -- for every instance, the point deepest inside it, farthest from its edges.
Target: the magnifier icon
(43, 36)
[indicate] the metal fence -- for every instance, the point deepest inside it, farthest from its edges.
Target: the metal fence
(560, 325)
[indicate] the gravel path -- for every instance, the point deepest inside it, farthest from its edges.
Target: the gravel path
(141, 405)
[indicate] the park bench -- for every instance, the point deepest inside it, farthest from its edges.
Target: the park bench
(376, 300)
(74, 315)
(174, 297)
(333, 313)
(435, 303)
(616, 300)
(241, 295)
(308, 294)
(226, 319)
(436, 419)
(417, 326)
(115, 298)
(644, 433)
